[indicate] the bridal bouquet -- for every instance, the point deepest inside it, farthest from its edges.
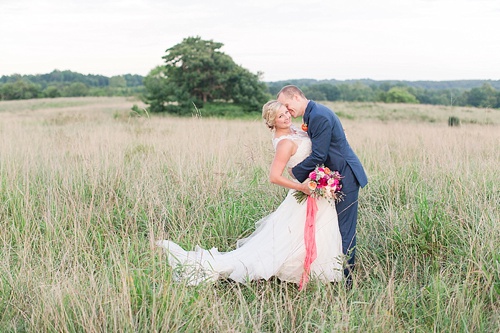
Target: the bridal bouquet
(323, 183)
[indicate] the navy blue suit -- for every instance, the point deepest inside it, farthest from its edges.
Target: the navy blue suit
(330, 147)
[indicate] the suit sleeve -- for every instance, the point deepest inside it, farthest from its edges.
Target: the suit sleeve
(320, 131)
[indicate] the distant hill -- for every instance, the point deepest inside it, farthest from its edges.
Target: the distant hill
(65, 77)
(430, 85)
(477, 93)
(135, 80)
(68, 84)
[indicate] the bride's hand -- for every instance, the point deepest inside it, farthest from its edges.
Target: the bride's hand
(304, 188)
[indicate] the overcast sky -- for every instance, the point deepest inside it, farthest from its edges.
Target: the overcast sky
(284, 39)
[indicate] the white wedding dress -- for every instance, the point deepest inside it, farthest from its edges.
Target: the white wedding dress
(275, 248)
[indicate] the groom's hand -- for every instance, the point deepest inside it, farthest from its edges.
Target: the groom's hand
(291, 173)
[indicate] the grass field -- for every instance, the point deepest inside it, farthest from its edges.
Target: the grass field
(86, 187)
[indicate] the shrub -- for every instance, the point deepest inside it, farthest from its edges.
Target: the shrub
(453, 121)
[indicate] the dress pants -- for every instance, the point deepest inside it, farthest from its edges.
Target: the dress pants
(347, 211)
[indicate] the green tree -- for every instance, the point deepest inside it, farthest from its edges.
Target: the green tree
(117, 81)
(20, 89)
(314, 94)
(332, 92)
(357, 92)
(76, 89)
(51, 92)
(245, 89)
(322, 92)
(400, 95)
(196, 72)
(484, 96)
(159, 92)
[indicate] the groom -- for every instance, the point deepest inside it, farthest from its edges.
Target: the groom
(329, 147)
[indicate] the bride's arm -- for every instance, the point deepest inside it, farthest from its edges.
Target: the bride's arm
(284, 150)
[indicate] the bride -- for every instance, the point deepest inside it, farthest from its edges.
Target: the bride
(277, 246)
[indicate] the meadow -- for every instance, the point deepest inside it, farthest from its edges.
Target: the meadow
(87, 186)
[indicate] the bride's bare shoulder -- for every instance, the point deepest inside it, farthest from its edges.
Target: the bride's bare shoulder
(286, 147)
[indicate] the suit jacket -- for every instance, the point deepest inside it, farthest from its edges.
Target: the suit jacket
(330, 147)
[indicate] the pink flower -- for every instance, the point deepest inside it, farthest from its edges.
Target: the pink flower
(323, 182)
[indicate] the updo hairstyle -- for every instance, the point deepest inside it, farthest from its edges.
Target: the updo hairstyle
(269, 111)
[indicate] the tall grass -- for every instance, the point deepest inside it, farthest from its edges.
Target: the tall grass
(85, 190)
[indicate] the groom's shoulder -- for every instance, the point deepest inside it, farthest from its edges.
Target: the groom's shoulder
(318, 106)
(321, 109)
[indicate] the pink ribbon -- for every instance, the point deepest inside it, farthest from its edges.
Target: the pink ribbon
(309, 240)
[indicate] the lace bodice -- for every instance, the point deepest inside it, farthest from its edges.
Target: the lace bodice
(304, 146)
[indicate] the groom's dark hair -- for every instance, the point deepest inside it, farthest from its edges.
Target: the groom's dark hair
(291, 90)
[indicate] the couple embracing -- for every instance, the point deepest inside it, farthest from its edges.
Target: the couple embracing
(278, 245)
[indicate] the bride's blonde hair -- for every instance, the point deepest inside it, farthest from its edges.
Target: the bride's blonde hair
(269, 111)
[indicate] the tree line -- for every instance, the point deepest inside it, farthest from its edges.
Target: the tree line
(197, 75)
(483, 94)
(68, 84)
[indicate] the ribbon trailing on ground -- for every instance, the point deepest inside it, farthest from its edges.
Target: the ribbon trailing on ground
(309, 240)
